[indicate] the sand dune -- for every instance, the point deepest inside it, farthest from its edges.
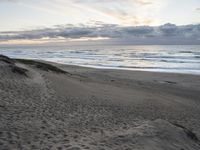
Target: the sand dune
(45, 105)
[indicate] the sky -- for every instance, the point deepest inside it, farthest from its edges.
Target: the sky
(114, 21)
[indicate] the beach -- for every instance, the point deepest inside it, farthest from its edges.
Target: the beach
(45, 105)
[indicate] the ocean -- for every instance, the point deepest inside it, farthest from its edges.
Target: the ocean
(159, 58)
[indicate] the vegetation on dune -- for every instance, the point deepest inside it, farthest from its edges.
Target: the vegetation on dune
(42, 66)
(12, 65)
(19, 70)
(6, 59)
(22, 71)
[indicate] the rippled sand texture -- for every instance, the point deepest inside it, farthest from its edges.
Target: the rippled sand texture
(73, 108)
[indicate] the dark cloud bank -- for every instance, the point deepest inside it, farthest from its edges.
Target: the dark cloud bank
(165, 34)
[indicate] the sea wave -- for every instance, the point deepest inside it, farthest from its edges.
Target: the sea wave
(164, 58)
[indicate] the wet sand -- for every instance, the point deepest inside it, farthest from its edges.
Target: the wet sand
(46, 105)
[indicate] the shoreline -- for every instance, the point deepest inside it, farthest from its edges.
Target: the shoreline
(123, 69)
(139, 69)
(56, 106)
(117, 68)
(178, 59)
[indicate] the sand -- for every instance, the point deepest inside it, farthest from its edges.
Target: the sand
(46, 105)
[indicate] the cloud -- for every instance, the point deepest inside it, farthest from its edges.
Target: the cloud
(129, 12)
(126, 12)
(142, 2)
(9, 0)
(167, 33)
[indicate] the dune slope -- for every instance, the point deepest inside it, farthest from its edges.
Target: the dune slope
(52, 106)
